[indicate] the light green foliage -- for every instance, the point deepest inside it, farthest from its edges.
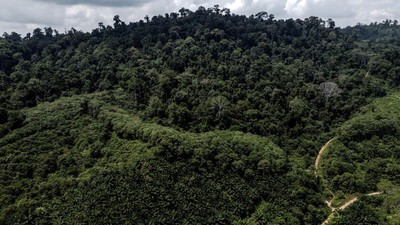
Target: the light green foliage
(78, 145)
(390, 206)
(366, 158)
(173, 120)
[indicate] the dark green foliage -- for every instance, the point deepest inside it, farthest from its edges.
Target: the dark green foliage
(171, 119)
(369, 127)
(367, 149)
(176, 67)
(3, 116)
(113, 168)
(362, 212)
(385, 30)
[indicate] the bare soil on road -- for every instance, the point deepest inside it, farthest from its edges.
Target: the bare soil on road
(329, 203)
(321, 151)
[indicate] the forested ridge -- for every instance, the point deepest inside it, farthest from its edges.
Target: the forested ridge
(200, 117)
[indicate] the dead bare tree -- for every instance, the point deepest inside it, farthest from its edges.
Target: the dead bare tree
(219, 103)
(330, 89)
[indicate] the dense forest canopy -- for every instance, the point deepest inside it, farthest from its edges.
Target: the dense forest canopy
(197, 117)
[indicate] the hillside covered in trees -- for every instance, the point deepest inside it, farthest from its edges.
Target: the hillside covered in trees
(201, 117)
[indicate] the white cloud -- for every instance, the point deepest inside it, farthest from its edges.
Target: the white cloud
(111, 3)
(296, 7)
(235, 5)
(22, 12)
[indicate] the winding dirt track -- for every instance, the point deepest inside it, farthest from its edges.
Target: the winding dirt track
(351, 201)
(329, 203)
(345, 205)
(321, 151)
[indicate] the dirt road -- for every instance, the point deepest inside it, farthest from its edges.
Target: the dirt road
(348, 203)
(321, 151)
(345, 205)
(329, 203)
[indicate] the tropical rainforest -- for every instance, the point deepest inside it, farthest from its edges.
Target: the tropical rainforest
(201, 117)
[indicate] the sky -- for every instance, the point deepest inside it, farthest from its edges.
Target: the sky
(22, 16)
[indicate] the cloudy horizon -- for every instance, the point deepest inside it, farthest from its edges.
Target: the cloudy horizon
(22, 16)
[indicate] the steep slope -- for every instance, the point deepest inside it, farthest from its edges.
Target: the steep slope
(173, 120)
(85, 160)
(365, 156)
